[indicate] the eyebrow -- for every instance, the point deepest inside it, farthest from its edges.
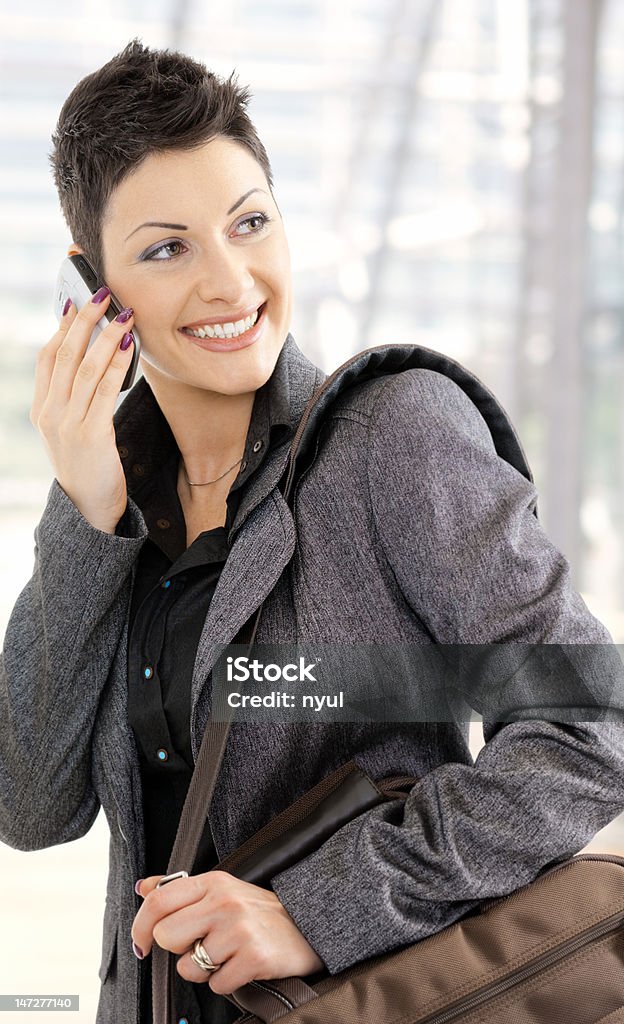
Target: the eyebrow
(157, 224)
(184, 227)
(243, 198)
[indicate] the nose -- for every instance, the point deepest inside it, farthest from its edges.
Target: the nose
(224, 275)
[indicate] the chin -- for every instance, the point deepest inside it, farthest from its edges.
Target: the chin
(244, 371)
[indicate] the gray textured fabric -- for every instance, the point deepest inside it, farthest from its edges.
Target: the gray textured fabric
(409, 528)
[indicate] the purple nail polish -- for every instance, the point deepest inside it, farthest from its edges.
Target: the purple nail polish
(101, 294)
(125, 315)
(139, 954)
(136, 886)
(68, 303)
(126, 341)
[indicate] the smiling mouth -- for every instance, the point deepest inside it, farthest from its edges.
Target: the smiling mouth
(226, 330)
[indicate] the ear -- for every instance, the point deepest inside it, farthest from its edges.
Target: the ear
(74, 250)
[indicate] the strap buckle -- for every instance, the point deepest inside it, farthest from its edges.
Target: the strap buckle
(170, 878)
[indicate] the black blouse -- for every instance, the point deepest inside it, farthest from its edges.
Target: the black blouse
(172, 592)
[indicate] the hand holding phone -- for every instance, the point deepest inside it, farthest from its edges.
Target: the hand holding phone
(78, 281)
(80, 373)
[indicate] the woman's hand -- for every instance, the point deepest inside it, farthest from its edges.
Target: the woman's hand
(73, 408)
(242, 927)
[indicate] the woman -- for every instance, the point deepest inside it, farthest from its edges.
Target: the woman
(165, 530)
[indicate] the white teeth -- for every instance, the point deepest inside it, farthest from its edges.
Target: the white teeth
(228, 330)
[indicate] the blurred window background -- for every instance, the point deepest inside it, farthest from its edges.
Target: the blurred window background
(450, 172)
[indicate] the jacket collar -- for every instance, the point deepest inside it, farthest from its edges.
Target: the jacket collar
(300, 378)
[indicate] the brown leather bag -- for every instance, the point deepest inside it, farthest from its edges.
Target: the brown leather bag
(552, 952)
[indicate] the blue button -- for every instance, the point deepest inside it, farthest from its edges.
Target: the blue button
(148, 671)
(183, 1020)
(162, 754)
(166, 584)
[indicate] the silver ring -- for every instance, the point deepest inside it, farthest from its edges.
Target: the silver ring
(200, 957)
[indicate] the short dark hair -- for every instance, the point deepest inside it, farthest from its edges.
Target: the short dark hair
(141, 102)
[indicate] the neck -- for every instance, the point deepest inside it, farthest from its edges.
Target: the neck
(210, 429)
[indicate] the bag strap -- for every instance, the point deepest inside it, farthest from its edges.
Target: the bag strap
(192, 821)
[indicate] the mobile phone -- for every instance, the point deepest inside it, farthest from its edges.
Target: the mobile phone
(78, 281)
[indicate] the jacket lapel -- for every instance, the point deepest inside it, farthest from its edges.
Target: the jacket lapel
(261, 547)
(263, 542)
(262, 550)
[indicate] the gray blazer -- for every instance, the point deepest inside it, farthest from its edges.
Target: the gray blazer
(409, 529)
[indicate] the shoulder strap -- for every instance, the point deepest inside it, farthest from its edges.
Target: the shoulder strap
(192, 821)
(386, 360)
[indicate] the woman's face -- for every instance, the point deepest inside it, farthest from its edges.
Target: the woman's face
(191, 239)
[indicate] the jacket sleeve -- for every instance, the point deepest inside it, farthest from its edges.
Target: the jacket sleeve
(456, 525)
(58, 648)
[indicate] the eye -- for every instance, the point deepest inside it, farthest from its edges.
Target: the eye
(166, 251)
(257, 221)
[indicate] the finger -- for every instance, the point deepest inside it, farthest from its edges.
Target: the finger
(180, 930)
(101, 372)
(232, 974)
(100, 414)
(160, 903)
(146, 885)
(45, 363)
(73, 346)
(188, 969)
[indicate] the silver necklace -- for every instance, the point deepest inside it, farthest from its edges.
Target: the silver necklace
(216, 480)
